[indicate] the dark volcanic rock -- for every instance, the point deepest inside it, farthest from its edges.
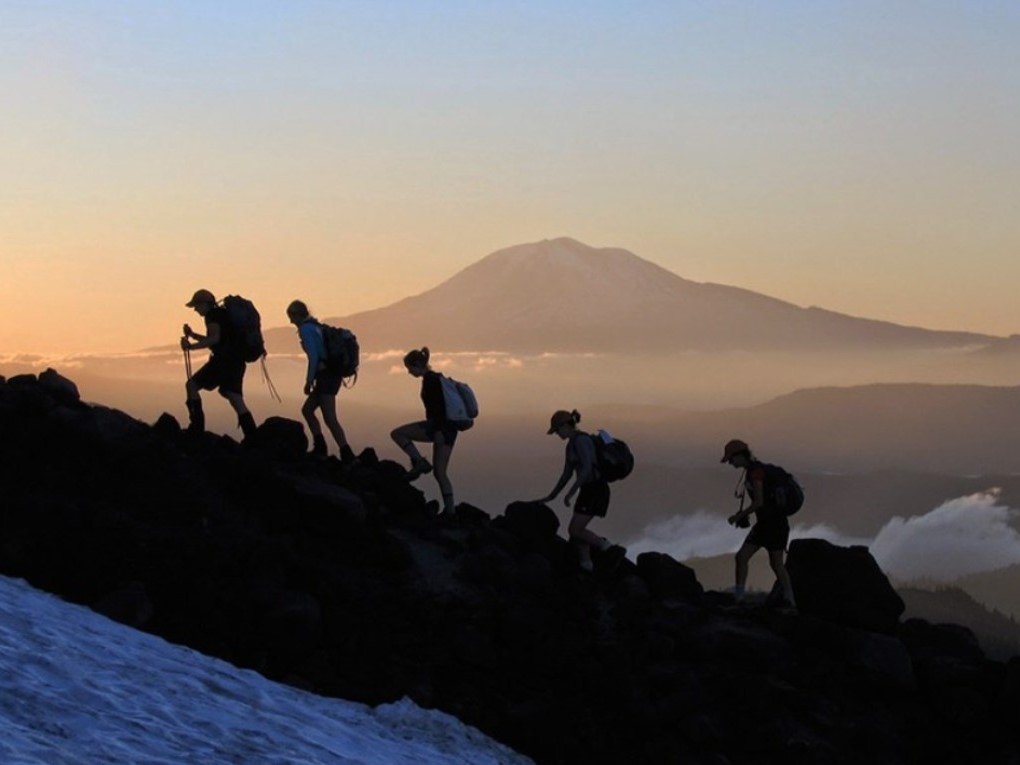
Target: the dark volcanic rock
(842, 584)
(342, 580)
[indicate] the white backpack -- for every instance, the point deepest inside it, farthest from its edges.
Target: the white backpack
(461, 404)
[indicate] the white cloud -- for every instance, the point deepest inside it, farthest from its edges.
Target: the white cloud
(698, 535)
(967, 535)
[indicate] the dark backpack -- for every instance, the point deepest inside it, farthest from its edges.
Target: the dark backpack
(245, 328)
(615, 459)
(342, 351)
(782, 490)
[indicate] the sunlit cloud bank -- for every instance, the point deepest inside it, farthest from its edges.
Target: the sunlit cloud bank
(968, 535)
(468, 361)
(705, 535)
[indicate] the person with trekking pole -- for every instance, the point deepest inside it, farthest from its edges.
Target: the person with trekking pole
(591, 488)
(323, 381)
(771, 528)
(223, 372)
(435, 429)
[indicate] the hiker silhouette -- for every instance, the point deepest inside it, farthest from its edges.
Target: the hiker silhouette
(771, 528)
(591, 487)
(223, 372)
(436, 429)
(323, 381)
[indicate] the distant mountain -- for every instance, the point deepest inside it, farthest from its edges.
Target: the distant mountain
(564, 296)
(952, 429)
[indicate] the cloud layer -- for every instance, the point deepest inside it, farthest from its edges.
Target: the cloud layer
(966, 535)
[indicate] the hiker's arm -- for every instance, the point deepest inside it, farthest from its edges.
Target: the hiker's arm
(567, 472)
(757, 501)
(206, 341)
(310, 342)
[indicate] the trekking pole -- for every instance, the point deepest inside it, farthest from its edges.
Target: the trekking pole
(187, 360)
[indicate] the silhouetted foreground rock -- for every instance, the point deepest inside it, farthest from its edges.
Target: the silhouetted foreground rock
(343, 581)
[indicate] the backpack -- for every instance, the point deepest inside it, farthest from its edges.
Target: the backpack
(246, 328)
(782, 490)
(461, 404)
(343, 354)
(615, 459)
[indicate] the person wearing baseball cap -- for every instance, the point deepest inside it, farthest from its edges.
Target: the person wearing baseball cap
(592, 491)
(224, 371)
(771, 528)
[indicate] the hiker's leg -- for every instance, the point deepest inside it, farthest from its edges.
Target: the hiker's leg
(308, 412)
(441, 452)
(327, 405)
(583, 539)
(406, 435)
(776, 561)
(244, 418)
(318, 440)
(193, 401)
(743, 557)
(236, 401)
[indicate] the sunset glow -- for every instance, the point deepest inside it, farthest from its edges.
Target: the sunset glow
(856, 156)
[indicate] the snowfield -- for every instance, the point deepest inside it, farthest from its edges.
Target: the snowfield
(78, 688)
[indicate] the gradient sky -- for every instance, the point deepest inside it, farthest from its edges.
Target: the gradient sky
(861, 156)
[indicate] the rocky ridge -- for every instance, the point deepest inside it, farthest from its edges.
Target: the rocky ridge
(343, 581)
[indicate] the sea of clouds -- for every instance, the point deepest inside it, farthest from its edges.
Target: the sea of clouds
(962, 536)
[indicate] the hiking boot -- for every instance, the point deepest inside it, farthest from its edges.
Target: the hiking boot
(318, 446)
(418, 468)
(347, 457)
(196, 417)
(247, 423)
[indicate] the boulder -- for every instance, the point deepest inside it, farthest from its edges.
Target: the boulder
(531, 522)
(281, 438)
(842, 584)
(58, 386)
(668, 578)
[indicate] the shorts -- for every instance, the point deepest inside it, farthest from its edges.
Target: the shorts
(449, 432)
(593, 499)
(222, 372)
(771, 531)
(327, 383)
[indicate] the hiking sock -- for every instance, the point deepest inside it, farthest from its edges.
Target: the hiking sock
(449, 508)
(412, 451)
(247, 423)
(196, 417)
(318, 445)
(347, 454)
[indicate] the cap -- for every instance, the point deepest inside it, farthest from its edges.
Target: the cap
(201, 296)
(734, 447)
(560, 417)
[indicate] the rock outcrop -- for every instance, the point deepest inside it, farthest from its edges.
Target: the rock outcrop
(344, 581)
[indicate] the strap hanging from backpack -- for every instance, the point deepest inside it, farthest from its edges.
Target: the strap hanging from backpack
(266, 380)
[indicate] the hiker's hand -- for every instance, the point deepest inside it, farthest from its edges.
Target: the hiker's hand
(185, 346)
(187, 331)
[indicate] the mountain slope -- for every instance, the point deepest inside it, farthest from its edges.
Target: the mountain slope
(562, 295)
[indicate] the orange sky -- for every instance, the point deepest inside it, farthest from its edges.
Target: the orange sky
(856, 156)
